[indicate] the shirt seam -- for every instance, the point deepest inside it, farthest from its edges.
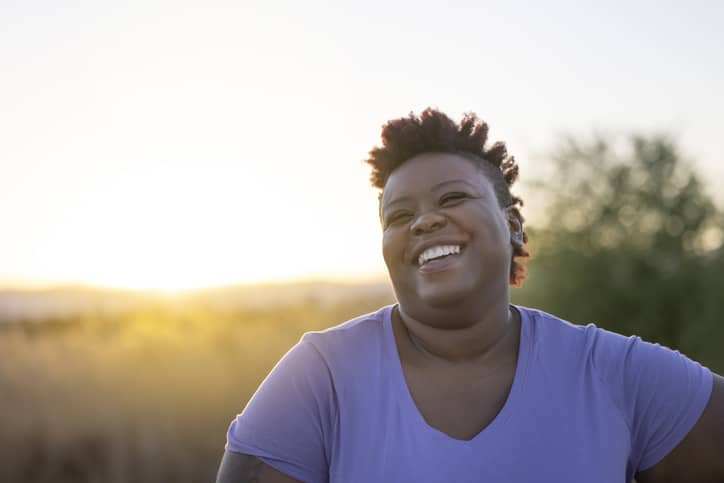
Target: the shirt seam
(335, 415)
(610, 397)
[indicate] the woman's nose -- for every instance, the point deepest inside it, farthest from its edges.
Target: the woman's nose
(428, 222)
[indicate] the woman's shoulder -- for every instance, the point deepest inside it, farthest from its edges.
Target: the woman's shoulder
(557, 337)
(363, 325)
(548, 329)
(361, 336)
(609, 353)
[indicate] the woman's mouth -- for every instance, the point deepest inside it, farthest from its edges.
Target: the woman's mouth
(438, 257)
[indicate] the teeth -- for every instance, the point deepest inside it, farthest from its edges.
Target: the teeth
(436, 252)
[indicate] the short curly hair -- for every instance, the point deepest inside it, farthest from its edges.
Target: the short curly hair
(434, 131)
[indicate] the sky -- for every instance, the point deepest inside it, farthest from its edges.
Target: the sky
(172, 144)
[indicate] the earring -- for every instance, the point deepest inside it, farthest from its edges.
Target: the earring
(517, 237)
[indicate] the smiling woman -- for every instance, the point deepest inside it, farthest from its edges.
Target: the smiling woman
(454, 383)
(438, 200)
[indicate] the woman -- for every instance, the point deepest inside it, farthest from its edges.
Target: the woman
(455, 384)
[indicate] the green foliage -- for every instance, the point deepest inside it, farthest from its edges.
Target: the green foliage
(633, 244)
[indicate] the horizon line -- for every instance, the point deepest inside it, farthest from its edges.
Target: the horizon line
(39, 286)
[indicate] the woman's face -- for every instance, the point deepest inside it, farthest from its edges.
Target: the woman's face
(445, 237)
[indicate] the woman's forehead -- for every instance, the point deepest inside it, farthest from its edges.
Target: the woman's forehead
(433, 172)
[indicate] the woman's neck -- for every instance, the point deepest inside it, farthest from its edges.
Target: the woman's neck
(481, 340)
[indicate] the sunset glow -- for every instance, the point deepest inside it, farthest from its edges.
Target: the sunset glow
(173, 146)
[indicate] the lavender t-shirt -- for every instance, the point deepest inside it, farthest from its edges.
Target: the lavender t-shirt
(586, 405)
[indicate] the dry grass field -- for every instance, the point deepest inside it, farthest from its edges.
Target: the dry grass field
(144, 395)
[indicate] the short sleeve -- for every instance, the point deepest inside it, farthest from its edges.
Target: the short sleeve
(660, 392)
(288, 422)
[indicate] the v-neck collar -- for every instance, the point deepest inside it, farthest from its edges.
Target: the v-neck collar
(411, 410)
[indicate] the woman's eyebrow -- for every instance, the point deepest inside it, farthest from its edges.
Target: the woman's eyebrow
(442, 184)
(395, 201)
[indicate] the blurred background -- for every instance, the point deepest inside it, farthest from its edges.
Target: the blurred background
(182, 195)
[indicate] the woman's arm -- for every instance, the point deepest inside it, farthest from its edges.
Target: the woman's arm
(700, 455)
(244, 468)
(289, 421)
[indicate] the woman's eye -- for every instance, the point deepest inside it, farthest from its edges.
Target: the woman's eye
(453, 198)
(396, 218)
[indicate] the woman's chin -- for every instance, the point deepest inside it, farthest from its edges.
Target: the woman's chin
(440, 296)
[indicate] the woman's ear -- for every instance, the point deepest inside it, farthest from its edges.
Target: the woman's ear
(515, 225)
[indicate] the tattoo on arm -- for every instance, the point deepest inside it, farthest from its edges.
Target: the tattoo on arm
(251, 470)
(239, 468)
(244, 468)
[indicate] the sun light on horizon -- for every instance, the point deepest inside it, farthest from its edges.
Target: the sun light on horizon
(194, 227)
(174, 146)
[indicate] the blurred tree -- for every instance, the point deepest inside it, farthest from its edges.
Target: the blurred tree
(632, 243)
